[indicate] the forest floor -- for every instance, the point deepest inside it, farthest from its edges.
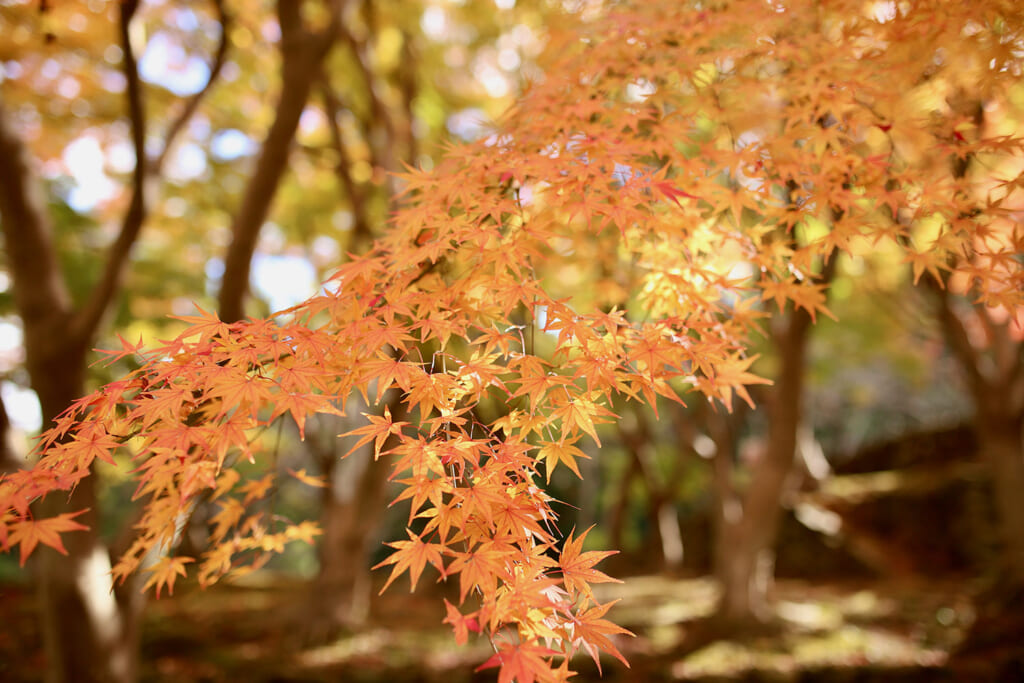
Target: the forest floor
(849, 631)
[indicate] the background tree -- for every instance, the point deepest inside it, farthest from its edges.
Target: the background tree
(88, 631)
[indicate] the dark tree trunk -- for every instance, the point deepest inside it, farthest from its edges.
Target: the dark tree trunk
(352, 513)
(747, 528)
(90, 631)
(302, 55)
(747, 525)
(1000, 440)
(353, 509)
(82, 621)
(995, 376)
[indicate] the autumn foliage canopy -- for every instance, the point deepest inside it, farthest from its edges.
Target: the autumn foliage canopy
(678, 173)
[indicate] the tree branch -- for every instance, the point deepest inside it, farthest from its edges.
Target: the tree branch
(382, 158)
(409, 88)
(87, 321)
(956, 336)
(361, 233)
(302, 54)
(192, 103)
(40, 293)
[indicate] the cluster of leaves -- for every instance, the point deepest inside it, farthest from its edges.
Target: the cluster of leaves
(699, 164)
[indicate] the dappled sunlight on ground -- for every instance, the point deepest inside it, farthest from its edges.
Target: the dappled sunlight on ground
(820, 626)
(249, 633)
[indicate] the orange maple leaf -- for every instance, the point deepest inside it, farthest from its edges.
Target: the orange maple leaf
(308, 479)
(412, 555)
(165, 572)
(461, 623)
(591, 632)
(380, 427)
(522, 662)
(578, 567)
(30, 532)
(564, 452)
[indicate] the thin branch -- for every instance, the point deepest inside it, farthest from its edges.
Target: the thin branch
(88, 320)
(302, 54)
(386, 158)
(955, 332)
(361, 233)
(409, 88)
(192, 104)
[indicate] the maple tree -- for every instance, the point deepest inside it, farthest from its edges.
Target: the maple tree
(702, 165)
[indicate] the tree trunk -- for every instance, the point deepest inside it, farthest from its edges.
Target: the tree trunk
(743, 568)
(994, 369)
(83, 625)
(90, 631)
(747, 528)
(353, 508)
(302, 55)
(87, 634)
(1001, 447)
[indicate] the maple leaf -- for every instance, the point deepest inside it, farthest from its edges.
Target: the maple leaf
(300, 405)
(503, 341)
(127, 349)
(812, 298)
(305, 531)
(388, 370)
(227, 517)
(206, 325)
(578, 567)
(379, 429)
(591, 632)
(480, 568)
(412, 555)
(461, 623)
(257, 488)
(226, 481)
(731, 374)
(30, 532)
(92, 441)
(535, 379)
(673, 193)
(518, 514)
(555, 452)
(531, 598)
(655, 351)
(922, 261)
(579, 413)
(522, 663)
(308, 479)
(165, 572)
(422, 489)
(216, 562)
(480, 499)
